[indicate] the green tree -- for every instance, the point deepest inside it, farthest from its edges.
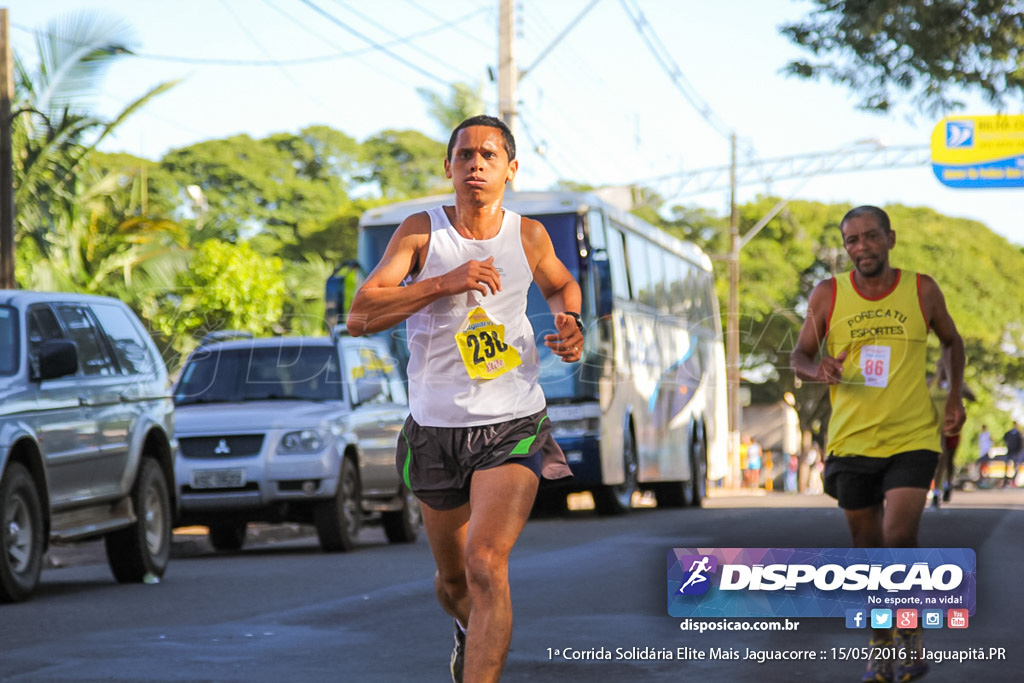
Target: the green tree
(68, 235)
(403, 164)
(930, 49)
(277, 191)
(226, 287)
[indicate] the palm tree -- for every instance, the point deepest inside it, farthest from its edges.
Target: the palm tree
(62, 203)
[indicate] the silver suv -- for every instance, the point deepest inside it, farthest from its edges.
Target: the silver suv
(86, 447)
(292, 429)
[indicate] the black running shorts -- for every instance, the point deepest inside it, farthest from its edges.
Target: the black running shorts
(437, 463)
(858, 481)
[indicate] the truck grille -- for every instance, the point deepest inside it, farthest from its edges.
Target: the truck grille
(236, 446)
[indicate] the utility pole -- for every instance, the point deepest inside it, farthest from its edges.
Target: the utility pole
(732, 334)
(508, 70)
(6, 160)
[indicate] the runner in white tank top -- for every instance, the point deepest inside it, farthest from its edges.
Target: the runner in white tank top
(443, 393)
(478, 431)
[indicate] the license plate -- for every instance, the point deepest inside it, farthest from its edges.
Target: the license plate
(218, 479)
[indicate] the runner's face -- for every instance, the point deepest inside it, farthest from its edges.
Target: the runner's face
(868, 245)
(479, 163)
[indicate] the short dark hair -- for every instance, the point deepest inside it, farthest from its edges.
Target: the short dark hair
(880, 216)
(490, 122)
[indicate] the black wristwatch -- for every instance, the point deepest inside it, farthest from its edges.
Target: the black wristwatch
(577, 318)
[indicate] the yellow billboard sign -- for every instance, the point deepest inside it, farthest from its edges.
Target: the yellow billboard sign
(979, 151)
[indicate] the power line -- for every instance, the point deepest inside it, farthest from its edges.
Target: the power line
(261, 63)
(381, 27)
(664, 59)
(338, 22)
(454, 24)
(290, 17)
(280, 67)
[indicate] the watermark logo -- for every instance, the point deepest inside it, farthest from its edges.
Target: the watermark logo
(856, 618)
(821, 582)
(696, 581)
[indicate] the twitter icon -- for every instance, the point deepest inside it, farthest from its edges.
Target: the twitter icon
(881, 618)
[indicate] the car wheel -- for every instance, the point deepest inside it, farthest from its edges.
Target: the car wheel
(21, 534)
(228, 536)
(141, 551)
(337, 520)
(402, 526)
(617, 499)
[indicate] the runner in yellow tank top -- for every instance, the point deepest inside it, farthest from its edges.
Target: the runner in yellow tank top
(869, 327)
(882, 406)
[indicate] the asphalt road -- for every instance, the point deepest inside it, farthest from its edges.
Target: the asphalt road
(281, 610)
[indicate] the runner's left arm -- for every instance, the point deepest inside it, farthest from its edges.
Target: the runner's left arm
(942, 323)
(559, 288)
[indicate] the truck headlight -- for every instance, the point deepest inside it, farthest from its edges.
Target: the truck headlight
(303, 441)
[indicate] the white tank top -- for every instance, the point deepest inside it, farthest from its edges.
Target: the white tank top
(442, 393)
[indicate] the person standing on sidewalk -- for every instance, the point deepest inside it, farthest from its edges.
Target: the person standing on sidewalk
(478, 439)
(1012, 440)
(984, 443)
(870, 327)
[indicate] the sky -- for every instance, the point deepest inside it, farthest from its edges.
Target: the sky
(597, 106)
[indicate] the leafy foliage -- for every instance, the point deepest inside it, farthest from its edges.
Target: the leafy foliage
(226, 287)
(281, 188)
(403, 164)
(929, 48)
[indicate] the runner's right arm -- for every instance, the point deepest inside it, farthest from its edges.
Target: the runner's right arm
(382, 302)
(812, 336)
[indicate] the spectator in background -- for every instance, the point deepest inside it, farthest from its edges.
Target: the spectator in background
(1013, 448)
(815, 485)
(792, 471)
(753, 471)
(768, 468)
(984, 443)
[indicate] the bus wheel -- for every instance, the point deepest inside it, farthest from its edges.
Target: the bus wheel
(617, 499)
(673, 494)
(698, 468)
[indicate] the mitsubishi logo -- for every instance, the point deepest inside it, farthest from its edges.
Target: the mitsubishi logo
(222, 448)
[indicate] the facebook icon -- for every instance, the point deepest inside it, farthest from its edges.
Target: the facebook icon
(856, 618)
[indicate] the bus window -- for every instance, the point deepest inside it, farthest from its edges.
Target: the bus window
(656, 263)
(598, 240)
(639, 269)
(617, 261)
(675, 280)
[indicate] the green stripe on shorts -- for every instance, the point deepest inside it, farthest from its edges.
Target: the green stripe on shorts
(523, 447)
(408, 462)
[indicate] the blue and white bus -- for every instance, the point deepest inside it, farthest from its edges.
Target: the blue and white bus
(646, 408)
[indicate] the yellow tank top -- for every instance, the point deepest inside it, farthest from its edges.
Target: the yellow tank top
(882, 406)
